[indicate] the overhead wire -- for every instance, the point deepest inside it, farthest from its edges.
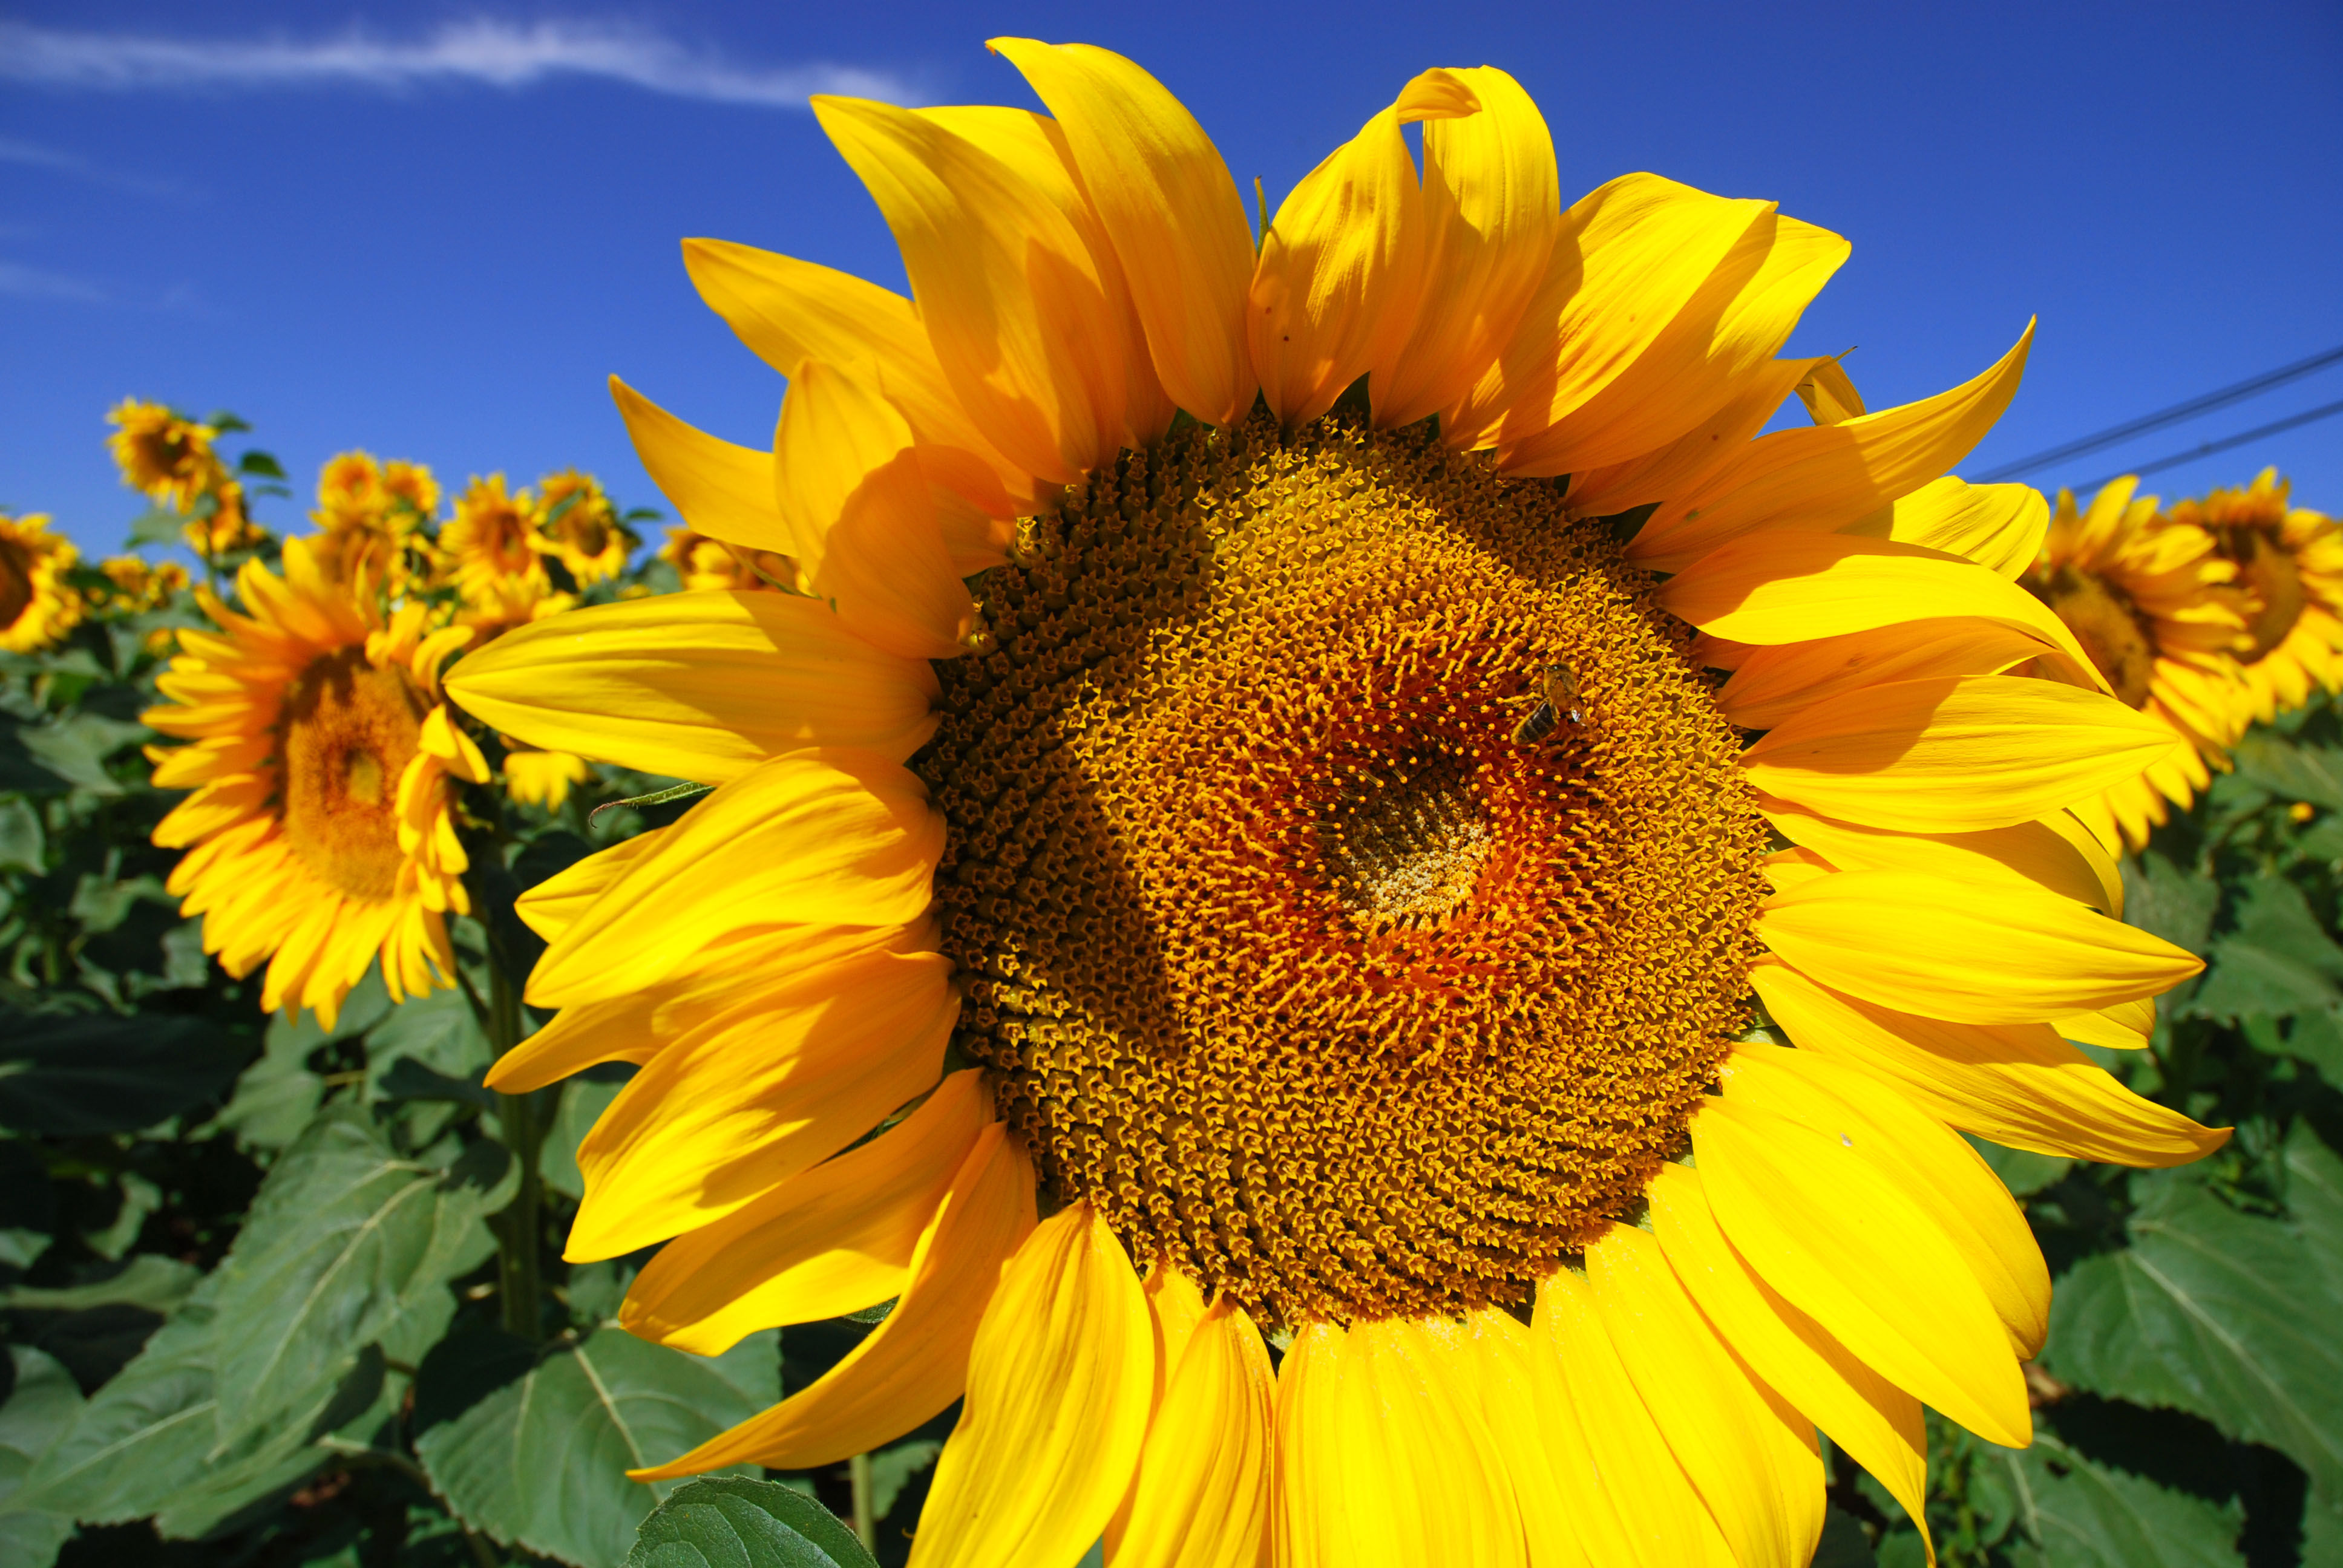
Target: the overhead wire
(2308, 415)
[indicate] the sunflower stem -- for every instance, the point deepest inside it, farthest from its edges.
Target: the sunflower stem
(518, 1284)
(866, 1528)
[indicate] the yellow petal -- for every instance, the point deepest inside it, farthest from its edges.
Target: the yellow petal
(1630, 258)
(2024, 855)
(831, 837)
(1771, 589)
(1752, 1459)
(1010, 296)
(1057, 1406)
(1771, 686)
(1953, 754)
(2108, 1027)
(1389, 1461)
(1663, 1517)
(1176, 219)
(1684, 462)
(2017, 1084)
(765, 1089)
(1999, 527)
(1567, 1521)
(857, 506)
(553, 906)
(789, 311)
(700, 686)
(1925, 1160)
(1829, 396)
(1876, 1422)
(1342, 266)
(1726, 333)
(1202, 1496)
(1838, 1238)
(721, 490)
(1969, 952)
(1492, 210)
(833, 1240)
(633, 1023)
(1826, 477)
(915, 1363)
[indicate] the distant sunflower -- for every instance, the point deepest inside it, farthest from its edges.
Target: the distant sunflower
(581, 528)
(2289, 564)
(412, 487)
(37, 604)
(543, 777)
(489, 547)
(701, 562)
(2145, 597)
(135, 583)
(319, 834)
(163, 454)
(1347, 889)
(532, 775)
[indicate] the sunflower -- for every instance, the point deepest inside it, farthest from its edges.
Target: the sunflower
(1297, 928)
(225, 527)
(489, 547)
(135, 583)
(2144, 597)
(581, 528)
(163, 454)
(36, 605)
(701, 562)
(320, 832)
(410, 485)
(2290, 581)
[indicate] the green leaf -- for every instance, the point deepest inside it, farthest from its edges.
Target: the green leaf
(540, 1461)
(22, 843)
(155, 526)
(2206, 1312)
(2290, 771)
(2083, 1514)
(583, 1101)
(343, 1237)
(260, 462)
(75, 747)
(39, 1411)
(2021, 1169)
(2174, 904)
(71, 1074)
(891, 1469)
(150, 1281)
(435, 1031)
(2277, 961)
(1843, 1543)
(732, 1521)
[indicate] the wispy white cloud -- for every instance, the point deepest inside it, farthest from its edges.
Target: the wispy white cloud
(484, 50)
(33, 283)
(30, 154)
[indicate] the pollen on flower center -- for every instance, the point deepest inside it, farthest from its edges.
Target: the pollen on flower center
(2272, 579)
(349, 730)
(2107, 624)
(1282, 945)
(16, 581)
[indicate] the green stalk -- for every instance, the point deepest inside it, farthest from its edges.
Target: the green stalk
(517, 1240)
(866, 1528)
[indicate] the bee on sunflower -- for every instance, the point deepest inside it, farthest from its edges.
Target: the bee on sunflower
(2147, 596)
(2288, 589)
(1304, 1117)
(39, 604)
(322, 757)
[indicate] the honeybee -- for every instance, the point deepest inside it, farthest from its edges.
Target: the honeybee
(1558, 701)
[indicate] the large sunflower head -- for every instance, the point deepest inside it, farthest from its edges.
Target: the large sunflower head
(1278, 872)
(163, 454)
(2148, 598)
(488, 547)
(37, 604)
(2289, 588)
(581, 530)
(322, 757)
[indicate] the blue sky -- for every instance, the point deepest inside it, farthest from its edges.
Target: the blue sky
(431, 231)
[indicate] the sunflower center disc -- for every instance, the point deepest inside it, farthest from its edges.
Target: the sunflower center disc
(1289, 940)
(349, 731)
(2267, 571)
(2105, 621)
(16, 581)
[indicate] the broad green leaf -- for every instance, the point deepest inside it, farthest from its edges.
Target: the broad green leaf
(2177, 905)
(278, 1095)
(2206, 1311)
(2021, 1170)
(154, 1282)
(2291, 771)
(2082, 1514)
(2314, 1193)
(583, 1101)
(261, 463)
(343, 1237)
(70, 1074)
(21, 839)
(2316, 1037)
(435, 1031)
(155, 526)
(39, 1411)
(1843, 1543)
(540, 1461)
(75, 748)
(2277, 961)
(732, 1521)
(891, 1469)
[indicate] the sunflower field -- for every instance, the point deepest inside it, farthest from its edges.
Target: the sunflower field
(1347, 887)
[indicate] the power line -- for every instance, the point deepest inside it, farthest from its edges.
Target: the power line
(2172, 416)
(2324, 411)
